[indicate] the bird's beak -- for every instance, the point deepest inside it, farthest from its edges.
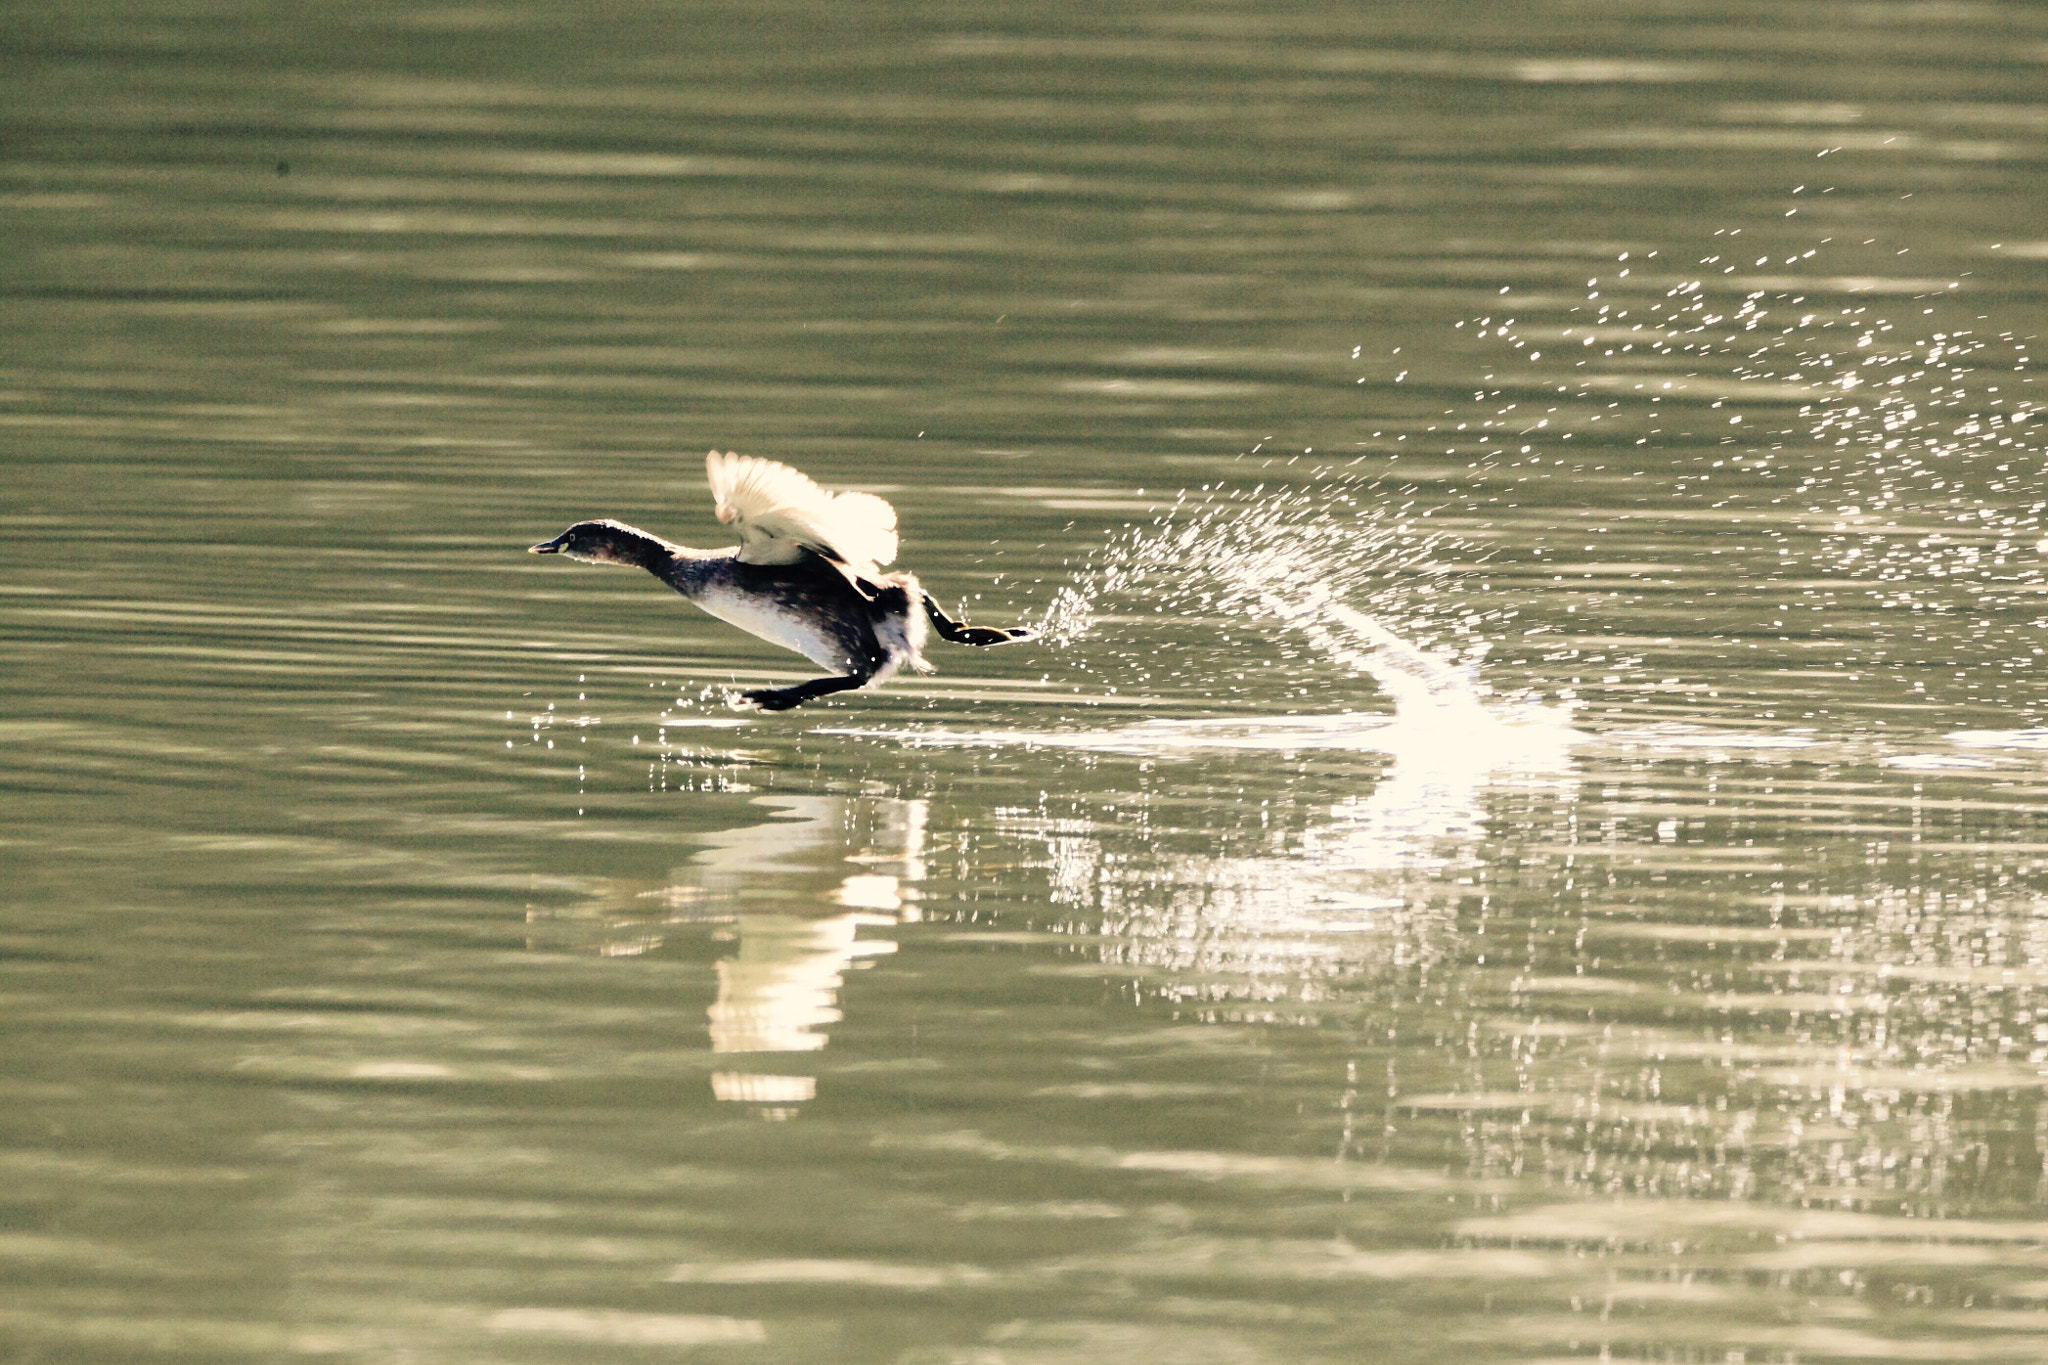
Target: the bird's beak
(546, 547)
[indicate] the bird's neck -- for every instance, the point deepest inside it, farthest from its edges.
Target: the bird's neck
(690, 572)
(631, 547)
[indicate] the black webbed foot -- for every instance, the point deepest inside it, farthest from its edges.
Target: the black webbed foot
(983, 636)
(773, 698)
(789, 698)
(979, 636)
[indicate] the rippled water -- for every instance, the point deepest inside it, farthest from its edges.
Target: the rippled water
(1521, 841)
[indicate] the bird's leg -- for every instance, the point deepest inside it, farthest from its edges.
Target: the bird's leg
(787, 698)
(961, 634)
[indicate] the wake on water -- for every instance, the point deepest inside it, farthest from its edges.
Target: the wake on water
(1274, 605)
(1880, 472)
(1261, 574)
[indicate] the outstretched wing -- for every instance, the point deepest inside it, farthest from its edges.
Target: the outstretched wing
(780, 513)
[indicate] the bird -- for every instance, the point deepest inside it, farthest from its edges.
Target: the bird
(809, 574)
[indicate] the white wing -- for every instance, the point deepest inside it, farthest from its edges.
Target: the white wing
(780, 513)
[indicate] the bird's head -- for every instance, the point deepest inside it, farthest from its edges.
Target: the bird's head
(600, 542)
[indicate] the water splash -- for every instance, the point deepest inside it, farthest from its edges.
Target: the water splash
(1861, 443)
(1220, 594)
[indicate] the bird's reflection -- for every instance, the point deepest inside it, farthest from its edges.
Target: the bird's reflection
(780, 991)
(799, 895)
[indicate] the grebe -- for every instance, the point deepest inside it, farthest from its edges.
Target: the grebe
(806, 575)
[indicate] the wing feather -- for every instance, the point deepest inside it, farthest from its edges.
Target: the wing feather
(780, 513)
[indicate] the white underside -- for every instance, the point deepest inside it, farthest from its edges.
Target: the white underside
(901, 635)
(765, 621)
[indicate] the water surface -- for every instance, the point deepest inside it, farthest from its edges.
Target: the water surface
(1521, 841)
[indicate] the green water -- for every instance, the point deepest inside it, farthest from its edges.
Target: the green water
(1522, 841)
